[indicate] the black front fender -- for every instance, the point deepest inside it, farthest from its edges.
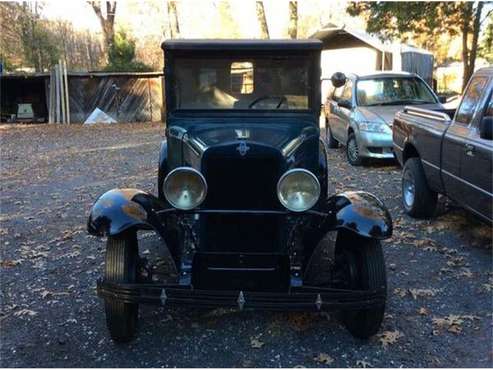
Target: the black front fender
(121, 209)
(359, 212)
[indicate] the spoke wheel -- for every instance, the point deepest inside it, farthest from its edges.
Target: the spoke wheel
(363, 268)
(121, 267)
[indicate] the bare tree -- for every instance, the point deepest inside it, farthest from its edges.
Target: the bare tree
(107, 20)
(264, 29)
(293, 19)
(174, 24)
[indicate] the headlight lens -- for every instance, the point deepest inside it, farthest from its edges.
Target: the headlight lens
(185, 188)
(374, 127)
(298, 190)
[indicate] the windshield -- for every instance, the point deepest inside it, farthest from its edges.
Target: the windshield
(254, 83)
(393, 91)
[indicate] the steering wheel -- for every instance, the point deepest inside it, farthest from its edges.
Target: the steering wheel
(282, 99)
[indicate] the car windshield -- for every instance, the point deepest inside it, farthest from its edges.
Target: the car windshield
(252, 83)
(393, 91)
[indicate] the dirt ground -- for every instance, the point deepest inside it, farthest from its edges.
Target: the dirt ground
(439, 310)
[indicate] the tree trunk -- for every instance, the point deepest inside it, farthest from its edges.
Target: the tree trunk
(262, 21)
(475, 35)
(465, 28)
(174, 24)
(107, 23)
(293, 20)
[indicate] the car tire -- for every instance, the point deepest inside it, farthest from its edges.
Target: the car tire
(352, 151)
(331, 142)
(418, 199)
(366, 264)
(121, 267)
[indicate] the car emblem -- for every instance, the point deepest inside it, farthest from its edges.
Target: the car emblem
(243, 148)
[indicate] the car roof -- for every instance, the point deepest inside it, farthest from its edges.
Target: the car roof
(485, 71)
(242, 44)
(382, 74)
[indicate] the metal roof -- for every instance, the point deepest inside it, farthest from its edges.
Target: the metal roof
(338, 36)
(241, 44)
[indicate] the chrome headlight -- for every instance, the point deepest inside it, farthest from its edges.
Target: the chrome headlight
(298, 190)
(374, 127)
(185, 188)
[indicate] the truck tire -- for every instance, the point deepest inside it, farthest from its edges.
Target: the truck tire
(418, 199)
(331, 142)
(121, 267)
(366, 266)
(352, 151)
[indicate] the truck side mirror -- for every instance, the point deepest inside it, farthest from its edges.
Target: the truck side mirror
(344, 104)
(442, 99)
(486, 128)
(338, 79)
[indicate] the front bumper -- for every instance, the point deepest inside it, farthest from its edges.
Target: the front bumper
(375, 145)
(302, 298)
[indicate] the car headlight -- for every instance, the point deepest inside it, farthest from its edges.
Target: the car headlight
(298, 190)
(374, 127)
(185, 188)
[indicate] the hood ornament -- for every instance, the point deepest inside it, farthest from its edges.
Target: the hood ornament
(243, 148)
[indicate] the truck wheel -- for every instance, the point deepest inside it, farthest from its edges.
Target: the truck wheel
(364, 269)
(417, 198)
(352, 151)
(331, 142)
(121, 267)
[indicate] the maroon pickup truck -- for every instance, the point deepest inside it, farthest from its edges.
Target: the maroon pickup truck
(448, 156)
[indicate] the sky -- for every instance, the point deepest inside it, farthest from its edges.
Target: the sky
(196, 16)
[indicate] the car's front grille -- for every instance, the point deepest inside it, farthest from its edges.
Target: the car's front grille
(241, 182)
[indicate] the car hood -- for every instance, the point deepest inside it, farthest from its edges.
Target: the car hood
(281, 136)
(386, 113)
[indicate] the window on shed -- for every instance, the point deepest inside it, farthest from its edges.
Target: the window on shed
(242, 77)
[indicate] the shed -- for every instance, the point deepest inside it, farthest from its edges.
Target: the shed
(349, 50)
(125, 96)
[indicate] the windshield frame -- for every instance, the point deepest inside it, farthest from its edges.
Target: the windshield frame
(313, 57)
(399, 77)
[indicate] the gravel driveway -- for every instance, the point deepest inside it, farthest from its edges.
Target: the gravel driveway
(440, 272)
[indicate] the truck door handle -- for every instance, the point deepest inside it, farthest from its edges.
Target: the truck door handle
(469, 149)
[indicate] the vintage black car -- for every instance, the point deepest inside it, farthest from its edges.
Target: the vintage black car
(243, 207)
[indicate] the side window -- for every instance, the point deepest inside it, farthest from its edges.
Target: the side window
(471, 99)
(489, 108)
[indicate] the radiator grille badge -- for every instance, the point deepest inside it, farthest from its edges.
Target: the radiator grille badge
(164, 297)
(318, 302)
(243, 148)
(241, 300)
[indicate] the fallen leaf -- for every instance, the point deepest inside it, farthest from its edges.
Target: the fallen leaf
(389, 337)
(363, 364)
(423, 311)
(400, 292)
(25, 312)
(452, 323)
(324, 358)
(256, 343)
(423, 292)
(9, 263)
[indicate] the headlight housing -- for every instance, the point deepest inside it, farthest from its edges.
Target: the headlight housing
(374, 127)
(185, 188)
(298, 190)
